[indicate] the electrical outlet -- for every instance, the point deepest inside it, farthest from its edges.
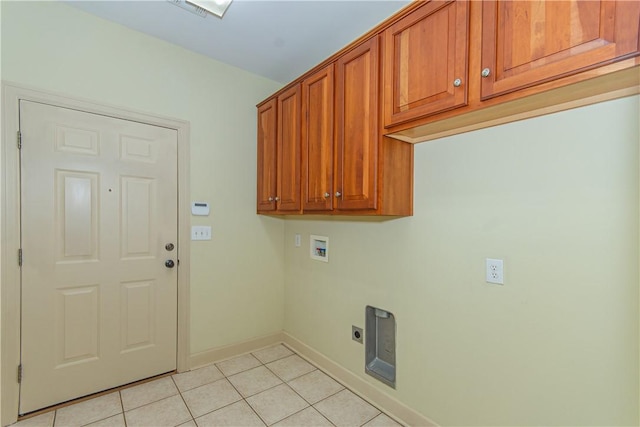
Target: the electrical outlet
(495, 271)
(357, 334)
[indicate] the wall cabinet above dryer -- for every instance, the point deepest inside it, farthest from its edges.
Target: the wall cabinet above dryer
(525, 43)
(426, 61)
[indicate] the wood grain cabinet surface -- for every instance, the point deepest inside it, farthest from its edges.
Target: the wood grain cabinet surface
(318, 141)
(348, 168)
(425, 61)
(525, 43)
(267, 146)
(357, 127)
(279, 153)
(321, 149)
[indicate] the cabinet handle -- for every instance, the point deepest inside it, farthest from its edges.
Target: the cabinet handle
(277, 198)
(327, 195)
(486, 72)
(457, 82)
(338, 194)
(271, 199)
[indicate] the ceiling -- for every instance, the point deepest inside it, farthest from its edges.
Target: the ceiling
(279, 40)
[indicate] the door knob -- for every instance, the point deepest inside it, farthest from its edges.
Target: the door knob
(169, 246)
(169, 263)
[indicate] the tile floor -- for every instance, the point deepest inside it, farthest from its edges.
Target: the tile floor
(273, 386)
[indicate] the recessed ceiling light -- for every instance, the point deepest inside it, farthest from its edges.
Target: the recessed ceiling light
(215, 7)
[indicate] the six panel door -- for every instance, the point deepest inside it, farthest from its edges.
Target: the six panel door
(99, 204)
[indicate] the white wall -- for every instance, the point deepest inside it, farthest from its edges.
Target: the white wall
(556, 198)
(236, 278)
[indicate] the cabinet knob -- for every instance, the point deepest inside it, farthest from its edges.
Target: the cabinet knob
(327, 195)
(277, 198)
(486, 72)
(271, 199)
(457, 82)
(338, 194)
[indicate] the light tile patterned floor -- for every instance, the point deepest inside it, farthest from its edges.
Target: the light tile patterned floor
(273, 386)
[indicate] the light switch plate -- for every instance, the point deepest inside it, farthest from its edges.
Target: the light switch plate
(201, 232)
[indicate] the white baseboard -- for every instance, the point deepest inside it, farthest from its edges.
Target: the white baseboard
(218, 354)
(383, 401)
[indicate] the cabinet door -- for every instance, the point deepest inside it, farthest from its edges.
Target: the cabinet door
(533, 41)
(425, 61)
(288, 180)
(357, 127)
(267, 147)
(317, 141)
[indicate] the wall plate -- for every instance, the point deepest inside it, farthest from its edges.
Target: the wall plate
(357, 334)
(319, 246)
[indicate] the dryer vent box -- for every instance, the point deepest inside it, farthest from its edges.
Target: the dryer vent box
(380, 345)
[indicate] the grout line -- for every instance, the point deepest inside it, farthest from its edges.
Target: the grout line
(254, 411)
(331, 395)
(278, 358)
(122, 407)
(244, 399)
(183, 401)
(151, 403)
(374, 417)
(296, 392)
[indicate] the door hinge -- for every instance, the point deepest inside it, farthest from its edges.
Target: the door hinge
(19, 140)
(20, 257)
(20, 373)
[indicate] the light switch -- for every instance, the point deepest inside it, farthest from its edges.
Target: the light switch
(201, 232)
(298, 241)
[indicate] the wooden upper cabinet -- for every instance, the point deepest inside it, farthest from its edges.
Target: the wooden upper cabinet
(267, 146)
(318, 141)
(288, 150)
(357, 127)
(525, 43)
(425, 61)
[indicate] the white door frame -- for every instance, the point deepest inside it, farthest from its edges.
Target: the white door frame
(10, 229)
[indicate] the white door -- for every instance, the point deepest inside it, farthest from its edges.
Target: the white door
(99, 216)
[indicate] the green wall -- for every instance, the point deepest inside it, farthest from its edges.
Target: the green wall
(51, 46)
(556, 198)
